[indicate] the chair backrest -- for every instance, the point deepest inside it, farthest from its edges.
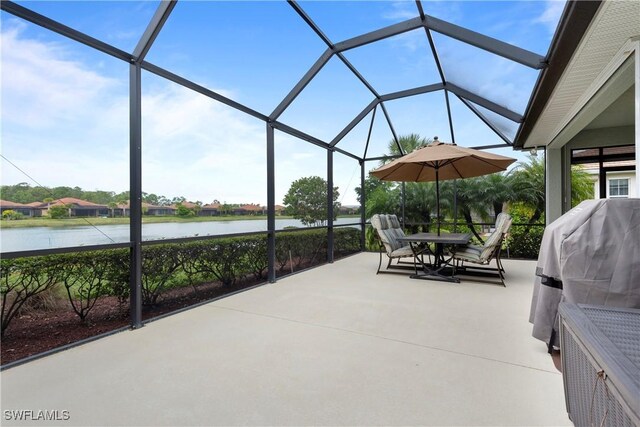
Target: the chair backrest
(388, 229)
(503, 223)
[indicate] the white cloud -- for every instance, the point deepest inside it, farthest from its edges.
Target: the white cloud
(551, 14)
(197, 147)
(62, 122)
(45, 72)
(401, 10)
(66, 123)
(296, 159)
(412, 42)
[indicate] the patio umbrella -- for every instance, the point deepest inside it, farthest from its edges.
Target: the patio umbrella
(438, 161)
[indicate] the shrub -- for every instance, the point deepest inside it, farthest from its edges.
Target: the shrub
(283, 250)
(10, 214)
(524, 240)
(220, 258)
(159, 263)
(88, 275)
(23, 279)
(58, 211)
(300, 247)
(189, 255)
(346, 241)
(255, 254)
(312, 246)
(118, 285)
(371, 241)
(183, 211)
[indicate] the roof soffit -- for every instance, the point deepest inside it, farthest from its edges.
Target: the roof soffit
(603, 49)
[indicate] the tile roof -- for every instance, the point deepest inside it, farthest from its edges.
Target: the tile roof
(77, 202)
(211, 206)
(144, 205)
(251, 207)
(8, 204)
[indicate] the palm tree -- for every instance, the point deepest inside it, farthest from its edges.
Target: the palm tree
(471, 199)
(581, 185)
(383, 199)
(420, 202)
(419, 196)
(495, 191)
(408, 143)
(527, 183)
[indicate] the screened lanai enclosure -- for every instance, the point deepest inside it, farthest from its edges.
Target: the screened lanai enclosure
(229, 103)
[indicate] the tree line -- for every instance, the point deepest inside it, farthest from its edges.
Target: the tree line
(25, 193)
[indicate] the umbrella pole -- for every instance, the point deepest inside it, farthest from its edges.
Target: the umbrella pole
(437, 201)
(455, 205)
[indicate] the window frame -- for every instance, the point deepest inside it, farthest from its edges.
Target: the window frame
(618, 188)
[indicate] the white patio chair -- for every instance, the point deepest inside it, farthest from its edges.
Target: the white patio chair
(482, 255)
(388, 231)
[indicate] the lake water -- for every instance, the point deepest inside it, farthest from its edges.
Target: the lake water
(30, 238)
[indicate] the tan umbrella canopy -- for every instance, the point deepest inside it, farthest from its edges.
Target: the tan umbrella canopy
(441, 161)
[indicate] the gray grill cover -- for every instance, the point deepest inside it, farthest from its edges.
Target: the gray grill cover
(590, 255)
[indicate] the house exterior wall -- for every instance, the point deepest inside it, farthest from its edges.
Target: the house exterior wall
(28, 212)
(159, 211)
(628, 175)
(606, 137)
(77, 211)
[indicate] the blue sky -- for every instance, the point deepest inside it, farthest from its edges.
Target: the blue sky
(65, 106)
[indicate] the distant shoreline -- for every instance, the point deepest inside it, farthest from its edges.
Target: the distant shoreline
(84, 221)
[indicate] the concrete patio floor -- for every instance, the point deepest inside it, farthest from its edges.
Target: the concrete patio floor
(336, 345)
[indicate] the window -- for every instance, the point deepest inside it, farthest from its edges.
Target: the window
(618, 188)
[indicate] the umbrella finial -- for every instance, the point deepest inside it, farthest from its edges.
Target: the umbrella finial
(435, 142)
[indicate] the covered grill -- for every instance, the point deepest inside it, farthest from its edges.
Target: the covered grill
(590, 255)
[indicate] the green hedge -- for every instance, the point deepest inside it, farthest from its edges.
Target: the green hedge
(346, 241)
(524, 240)
(87, 276)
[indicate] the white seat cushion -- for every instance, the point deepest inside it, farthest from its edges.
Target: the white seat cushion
(404, 251)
